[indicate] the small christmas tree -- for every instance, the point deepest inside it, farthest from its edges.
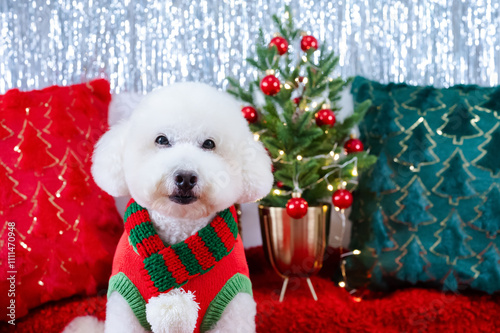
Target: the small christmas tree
(74, 178)
(452, 238)
(33, 150)
(381, 180)
(385, 123)
(455, 178)
(488, 218)
(291, 108)
(46, 214)
(418, 146)
(413, 263)
(9, 195)
(460, 123)
(488, 268)
(425, 99)
(493, 103)
(490, 158)
(380, 235)
(414, 206)
(65, 124)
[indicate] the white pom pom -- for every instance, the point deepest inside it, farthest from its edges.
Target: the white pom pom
(175, 311)
(85, 324)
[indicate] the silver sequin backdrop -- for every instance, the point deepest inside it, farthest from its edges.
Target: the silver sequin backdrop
(139, 45)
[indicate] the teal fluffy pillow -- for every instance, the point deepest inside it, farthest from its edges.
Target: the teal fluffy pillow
(428, 212)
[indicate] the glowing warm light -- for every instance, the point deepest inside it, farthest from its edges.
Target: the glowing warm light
(58, 194)
(342, 284)
(16, 148)
(337, 209)
(336, 157)
(40, 283)
(23, 244)
(355, 172)
(256, 137)
(277, 192)
(356, 252)
(60, 232)
(281, 152)
(270, 72)
(314, 104)
(330, 187)
(304, 58)
(332, 153)
(299, 157)
(439, 132)
(356, 299)
(344, 183)
(287, 86)
(305, 80)
(27, 111)
(326, 132)
(306, 108)
(412, 167)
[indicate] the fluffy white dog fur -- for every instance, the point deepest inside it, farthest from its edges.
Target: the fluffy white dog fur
(129, 161)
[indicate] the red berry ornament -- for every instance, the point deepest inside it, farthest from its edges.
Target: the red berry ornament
(342, 199)
(325, 117)
(270, 85)
(297, 208)
(279, 184)
(250, 114)
(308, 42)
(281, 43)
(353, 145)
(297, 100)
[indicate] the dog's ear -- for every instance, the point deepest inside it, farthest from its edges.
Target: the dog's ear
(256, 172)
(107, 161)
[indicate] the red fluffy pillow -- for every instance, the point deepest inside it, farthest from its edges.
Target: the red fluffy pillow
(59, 230)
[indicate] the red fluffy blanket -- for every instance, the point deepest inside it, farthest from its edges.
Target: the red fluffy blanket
(409, 310)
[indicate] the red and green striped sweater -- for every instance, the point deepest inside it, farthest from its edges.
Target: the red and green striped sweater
(210, 263)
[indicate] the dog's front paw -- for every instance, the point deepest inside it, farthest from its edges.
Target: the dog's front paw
(173, 312)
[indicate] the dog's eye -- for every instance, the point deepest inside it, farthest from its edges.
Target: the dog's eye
(162, 140)
(208, 144)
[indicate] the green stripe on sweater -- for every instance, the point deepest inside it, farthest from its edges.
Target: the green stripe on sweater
(141, 232)
(213, 242)
(132, 208)
(122, 284)
(188, 259)
(160, 275)
(231, 223)
(239, 283)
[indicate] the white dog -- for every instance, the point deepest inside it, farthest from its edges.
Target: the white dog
(184, 155)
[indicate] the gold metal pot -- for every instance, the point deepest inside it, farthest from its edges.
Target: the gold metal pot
(295, 247)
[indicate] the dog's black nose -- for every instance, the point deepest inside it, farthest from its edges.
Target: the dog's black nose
(186, 180)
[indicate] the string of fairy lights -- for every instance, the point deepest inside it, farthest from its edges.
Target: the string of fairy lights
(334, 157)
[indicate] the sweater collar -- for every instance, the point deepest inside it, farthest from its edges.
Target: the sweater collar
(171, 266)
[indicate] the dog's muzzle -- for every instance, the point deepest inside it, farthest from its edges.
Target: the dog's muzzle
(185, 182)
